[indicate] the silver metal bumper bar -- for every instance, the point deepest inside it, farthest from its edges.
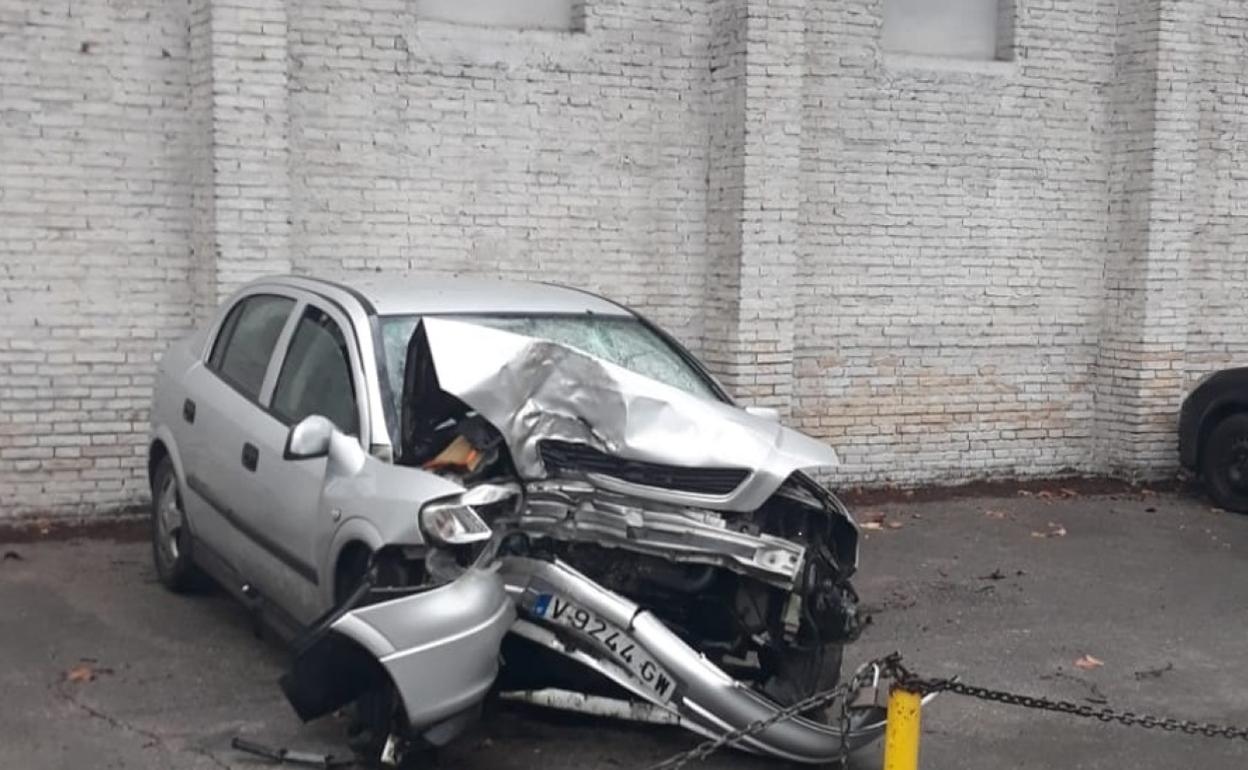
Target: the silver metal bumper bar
(703, 699)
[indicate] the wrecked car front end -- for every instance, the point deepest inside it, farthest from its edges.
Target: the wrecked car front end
(655, 547)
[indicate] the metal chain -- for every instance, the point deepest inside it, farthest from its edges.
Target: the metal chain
(890, 667)
(909, 681)
(846, 692)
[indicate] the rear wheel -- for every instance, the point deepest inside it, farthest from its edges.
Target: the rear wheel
(1224, 463)
(171, 538)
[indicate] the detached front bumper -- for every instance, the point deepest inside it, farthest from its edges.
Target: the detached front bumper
(439, 648)
(662, 669)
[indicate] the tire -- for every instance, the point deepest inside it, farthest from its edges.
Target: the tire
(171, 537)
(378, 712)
(1224, 463)
(801, 672)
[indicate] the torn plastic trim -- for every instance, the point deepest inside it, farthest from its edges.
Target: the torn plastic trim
(706, 699)
(439, 647)
(531, 390)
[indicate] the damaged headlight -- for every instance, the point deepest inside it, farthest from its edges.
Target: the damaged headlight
(457, 521)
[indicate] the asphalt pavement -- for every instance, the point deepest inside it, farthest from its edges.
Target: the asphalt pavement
(102, 668)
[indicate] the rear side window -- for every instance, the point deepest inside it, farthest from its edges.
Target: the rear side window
(316, 375)
(246, 341)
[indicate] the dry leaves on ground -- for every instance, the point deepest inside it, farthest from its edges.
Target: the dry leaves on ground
(1088, 663)
(86, 671)
(876, 521)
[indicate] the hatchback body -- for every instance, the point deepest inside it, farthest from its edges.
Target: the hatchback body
(399, 472)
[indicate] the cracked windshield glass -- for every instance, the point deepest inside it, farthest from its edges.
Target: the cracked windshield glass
(625, 342)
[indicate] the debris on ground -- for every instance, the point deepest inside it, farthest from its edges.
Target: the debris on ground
(876, 521)
(283, 756)
(1153, 673)
(996, 514)
(1088, 663)
(1055, 530)
(13, 556)
(85, 671)
(997, 574)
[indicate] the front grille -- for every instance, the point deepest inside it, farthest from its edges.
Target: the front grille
(570, 457)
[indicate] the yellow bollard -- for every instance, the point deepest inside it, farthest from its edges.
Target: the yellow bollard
(901, 734)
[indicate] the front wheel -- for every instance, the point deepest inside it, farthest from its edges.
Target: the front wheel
(799, 672)
(1224, 463)
(171, 538)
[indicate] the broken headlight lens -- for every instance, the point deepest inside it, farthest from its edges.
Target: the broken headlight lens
(452, 523)
(457, 521)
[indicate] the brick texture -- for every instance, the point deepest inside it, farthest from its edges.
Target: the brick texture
(946, 269)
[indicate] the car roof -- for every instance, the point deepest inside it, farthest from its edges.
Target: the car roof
(416, 294)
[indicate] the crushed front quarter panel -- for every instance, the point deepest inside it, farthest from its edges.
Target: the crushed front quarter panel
(532, 390)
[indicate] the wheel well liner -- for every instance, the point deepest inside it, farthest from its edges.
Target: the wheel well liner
(155, 454)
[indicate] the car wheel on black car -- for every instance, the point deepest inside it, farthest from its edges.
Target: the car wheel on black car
(1224, 463)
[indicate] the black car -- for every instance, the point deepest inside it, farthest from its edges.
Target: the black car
(1213, 436)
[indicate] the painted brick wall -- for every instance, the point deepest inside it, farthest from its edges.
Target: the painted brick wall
(94, 224)
(953, 247)
(578, 157)
(948, 270)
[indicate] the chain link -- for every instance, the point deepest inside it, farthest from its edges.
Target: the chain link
(846, 692)
(890, 667)
(909, 681)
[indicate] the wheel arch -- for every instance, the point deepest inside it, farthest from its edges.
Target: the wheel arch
(354, 535)
(160, 446)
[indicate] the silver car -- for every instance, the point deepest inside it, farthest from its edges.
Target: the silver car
(416, 478)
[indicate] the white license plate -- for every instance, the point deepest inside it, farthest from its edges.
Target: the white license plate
(610, 638)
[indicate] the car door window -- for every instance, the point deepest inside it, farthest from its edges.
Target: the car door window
(246, 341)
(316, 375)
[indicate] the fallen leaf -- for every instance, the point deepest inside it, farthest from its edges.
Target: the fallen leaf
(1068, 492)
(873, 525)
(83, 672)
(13, 556)
(995, 514)
(1087, 663)
(86, 671)
(894, 525)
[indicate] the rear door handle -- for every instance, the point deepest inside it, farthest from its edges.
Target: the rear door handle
(188, 411)
(251, 456)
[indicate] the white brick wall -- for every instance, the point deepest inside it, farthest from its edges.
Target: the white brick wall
(947, 270)
(94, 224)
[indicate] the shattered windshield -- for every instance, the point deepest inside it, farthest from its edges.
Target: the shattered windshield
(622, 341)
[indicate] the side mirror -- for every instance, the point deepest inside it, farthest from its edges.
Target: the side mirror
(769, 413)
(309, 438)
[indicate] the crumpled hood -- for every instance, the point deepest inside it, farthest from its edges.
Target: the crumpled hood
(533, 390)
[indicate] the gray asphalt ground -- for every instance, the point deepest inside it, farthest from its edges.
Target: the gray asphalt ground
(1152, 585)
